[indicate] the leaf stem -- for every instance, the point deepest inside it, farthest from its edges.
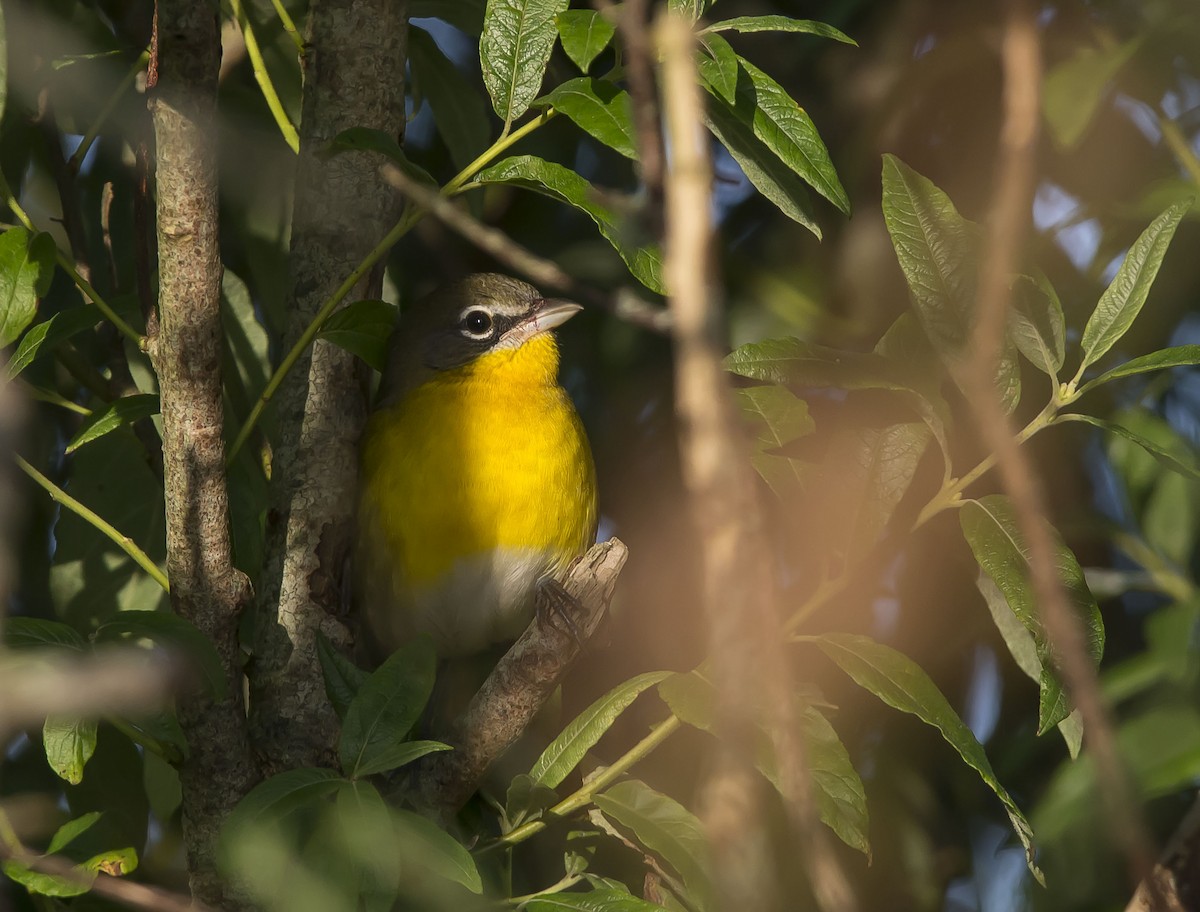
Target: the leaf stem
(410, 218)
(89, 138)
(288, 25)
(124, 542)
(584, 795)
(263, 78)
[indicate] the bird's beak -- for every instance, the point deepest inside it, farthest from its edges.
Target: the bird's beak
(549, 315)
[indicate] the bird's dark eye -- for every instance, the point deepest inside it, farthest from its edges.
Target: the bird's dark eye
(477, 322)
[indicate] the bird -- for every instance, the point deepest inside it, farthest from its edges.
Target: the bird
(477, 482)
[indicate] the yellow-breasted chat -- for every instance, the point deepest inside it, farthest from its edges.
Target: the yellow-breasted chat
(477, 483)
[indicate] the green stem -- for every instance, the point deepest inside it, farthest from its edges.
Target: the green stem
(110, 105)
(288, 25)
(124, 542)
(167, 752)
(584, 796)
(263, 78)
(399, 230)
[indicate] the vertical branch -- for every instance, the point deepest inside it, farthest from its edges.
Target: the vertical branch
(205, 587)
(354, 77)
(752, 678)
(1011, 205)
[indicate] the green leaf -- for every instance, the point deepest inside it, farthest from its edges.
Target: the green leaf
(665, 827)
(563, 184)
(937, 251)
(794, 362)
(386, 707)
(362, 328)
(459, 111)
(770, 176)
(34, 633)
(119, 412)
(367, 139)
(719, 67)
(1036, 323)
(392, 756)
(693, 9)
(991, 529)
(784, 127)
(901, 683)
(433, 850)
(68, 832)
(1178, 356)
(584, 34)
(44, 337)
(599, 108)
(48, 884)
(1122, 301)
(342, 677)
(1183, 462)
(778, 24)
(595, 901)
(114, 863)
(1074, 89)
(779, 415)
(564, 752)
(69, 745)
(274, 798)
(26, 267)
(518, 36)
(170, 630)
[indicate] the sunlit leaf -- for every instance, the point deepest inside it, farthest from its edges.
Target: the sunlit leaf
(600, 108)
(1036, 323)
(779, 24)
(518, 36)
(1164, 359)
(125, 410)
(26, 267)
(70, 831)
(69, 744)
(584, 34)
(44, 337)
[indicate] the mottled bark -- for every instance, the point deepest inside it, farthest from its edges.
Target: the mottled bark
(205, 587)
(519, 685)
(353, 76)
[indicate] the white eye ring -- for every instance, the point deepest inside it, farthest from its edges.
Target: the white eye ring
(476, 323)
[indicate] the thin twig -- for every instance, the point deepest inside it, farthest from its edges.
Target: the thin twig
(122, 541)
(288, 25)
(263, 78)
(1012, 199)
(542, 272)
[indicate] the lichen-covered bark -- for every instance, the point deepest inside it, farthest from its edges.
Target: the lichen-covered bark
(353, 76)
(206, 589)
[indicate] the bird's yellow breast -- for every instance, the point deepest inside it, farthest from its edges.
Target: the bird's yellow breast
(487, 456)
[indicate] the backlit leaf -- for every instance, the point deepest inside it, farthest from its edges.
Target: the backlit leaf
(69, 745)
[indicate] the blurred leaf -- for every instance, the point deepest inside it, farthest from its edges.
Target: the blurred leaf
(719, 67)
(778, 24)
(393, 756)
(114, 863)
(117, 413)
(563, 184)
(1036, 323)
(32, 633)
(1074, 89)
(1122, 301)
(362, 328)
(991, 529)
(564, 752)
(342, 677)
(599, 108)
(794, 362)
(168, 629)
(518, 36)
(1183, 462)
(386, 707)
(665, 827)
(48, 884)
(26, 267)
(366, 139)
(278, 796)
(69, 745)
(778, 414)
(1178, 356)
(595, 901)
(433, 850)
(68, 832)
(584, 34)
(44, 337)
(161, 783)
(902, 684)
(693, 9)
(526, 797)
(937, 250)
(459, 111)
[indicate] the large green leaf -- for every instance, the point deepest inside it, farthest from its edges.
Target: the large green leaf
(44, 337)
(69, 745)
(991, 529)
(518, 36)
(595, 901)
(600, 108)
(117, 413)
(386, 707)
(564, 752)
(362, 328)
(563, 184)
(779, 24)
(584, 34)
(169, 629)
(1163, 359)
(26, 267)
(1122, 301)
(937, 251)
(902, 684)
(459, 111)
(719, 66)
(1036, 323)
(665, 827)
